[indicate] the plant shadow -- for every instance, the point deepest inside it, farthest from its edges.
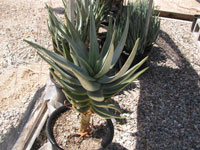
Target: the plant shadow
(168, 112)
(114, 146)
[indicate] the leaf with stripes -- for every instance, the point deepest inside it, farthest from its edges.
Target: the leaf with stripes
(97, 95)
(75, 89)
(115, 89)
(66, 75)
(121, 43)
(94, 46)
(106, 61)
(105, 105)
(105, 112)
(80, 98)
(82, 109)
(85, 80)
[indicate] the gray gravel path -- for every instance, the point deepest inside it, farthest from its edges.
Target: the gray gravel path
(164, 111)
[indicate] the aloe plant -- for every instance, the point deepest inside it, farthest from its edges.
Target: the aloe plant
(84, 70)
(81, 21)
(138, 14)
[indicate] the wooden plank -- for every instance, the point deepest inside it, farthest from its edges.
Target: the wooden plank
(50, 97)
(32, 125)
(175, 15)
(37, 131)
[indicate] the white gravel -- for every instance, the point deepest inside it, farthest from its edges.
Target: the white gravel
(20, 19)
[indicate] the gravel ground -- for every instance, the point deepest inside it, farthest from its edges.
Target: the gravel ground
(165, 104)
(20, 68)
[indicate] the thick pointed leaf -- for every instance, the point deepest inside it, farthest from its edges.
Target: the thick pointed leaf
(85, 80)
(103, 111)
(128, 62)
(105, 105)
(58, 44)
(121, 43)
(82, 109)
(54, 21)
(77, 38)
(66, 51)
(86, 65)
(67, 76)
(136, 75)
(81, 104)
(88, 85)
(108, 81)
(74, 58)
(94, 46)
(80, 98)
(127, 75)
(106, 62)
(75, 89)
(97, 95)
(100, 114)
(115, 89)
(78, 47)
(108, 40)
(82, 9)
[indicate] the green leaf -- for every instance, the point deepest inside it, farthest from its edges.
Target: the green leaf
(105, 105)
(106, 62)
(85, 80)
(54, 20)
(108, 40)
(94, 46)
(77, 38)
(121, 43)
(128, 62)
(108, 81)
(80, 98)
(75, 89)
(86, 65)
(136, 75)
(115, 89)
(77, 46)
(80, 15)
(81, 104)
(67, 77)
(100, 114)
(82, 109)
(66, 51)
(102, 111)
(97, 95)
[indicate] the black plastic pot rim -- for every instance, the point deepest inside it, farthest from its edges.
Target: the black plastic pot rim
(49, 129)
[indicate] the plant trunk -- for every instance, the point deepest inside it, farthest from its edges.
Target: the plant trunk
(85, 122)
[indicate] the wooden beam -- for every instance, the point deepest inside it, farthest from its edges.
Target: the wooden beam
(175, 15)
(52, 96)
(35, 123)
